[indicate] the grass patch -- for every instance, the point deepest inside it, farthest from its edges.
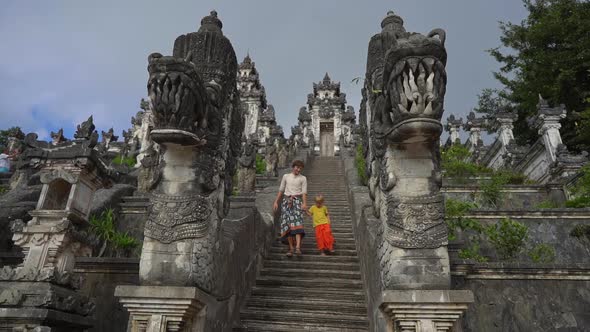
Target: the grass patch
(260, 164)
(128, 161)
(103, 226)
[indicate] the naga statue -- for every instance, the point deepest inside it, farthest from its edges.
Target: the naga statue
(271, 158)
(247, 166)
(197, 122)
(402, 106)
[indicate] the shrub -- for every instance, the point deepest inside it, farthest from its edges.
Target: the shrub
(581, 231)
(472, 252)
(578, 202)
(103, 227)
(3, 190)
(361, 166)
(120, 160)
(124, 241)
(455, 217)
(513, 177)
(547, 204)
(542, 253)
(491, 190)
(581, 190)
(455, 164)
(260, 164)
(508, 237)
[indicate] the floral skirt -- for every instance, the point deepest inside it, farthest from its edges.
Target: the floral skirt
(291, 217)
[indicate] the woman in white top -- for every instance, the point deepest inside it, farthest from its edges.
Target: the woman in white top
(293, 192)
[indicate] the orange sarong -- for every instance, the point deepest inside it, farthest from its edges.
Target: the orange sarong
(324, 238)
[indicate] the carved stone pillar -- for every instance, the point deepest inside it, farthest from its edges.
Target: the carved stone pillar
(164, 309)
(453, 126)
(547, 122)
(505, 121)
(147, 123)
(41, 292)
(474, 126)
(200, 144)
(426, 310)
(247, 167)
(405, 93)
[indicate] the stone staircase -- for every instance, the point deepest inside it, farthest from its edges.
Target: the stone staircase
(312, 292)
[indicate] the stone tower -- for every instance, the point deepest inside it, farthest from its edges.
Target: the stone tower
(252, 95)
(327, 105)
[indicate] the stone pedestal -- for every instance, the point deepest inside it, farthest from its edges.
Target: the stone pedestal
(425, 310)
(41, 306)
(163, 308)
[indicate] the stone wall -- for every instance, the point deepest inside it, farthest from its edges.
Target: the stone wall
(512, 196)
(526, 297)
(366, 235)
(248, 234)
(509, 296)
(101, 276)
(548, 226)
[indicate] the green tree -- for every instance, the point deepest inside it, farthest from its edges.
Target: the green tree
(5, 134)
(548, 53)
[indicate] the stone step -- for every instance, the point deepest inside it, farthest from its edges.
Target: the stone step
(294, 281)
(310, 238)
(320, 318)
(312, 252)
(286, 291)
(341, 232)
(138, 198)
(307, 303)
(280, 256)
(339, 223)
(312, 245)
(263, 326)
(311, 273)
(300, 264)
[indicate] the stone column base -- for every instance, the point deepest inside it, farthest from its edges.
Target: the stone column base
(163, 308)
(424, 310)
(42, 306)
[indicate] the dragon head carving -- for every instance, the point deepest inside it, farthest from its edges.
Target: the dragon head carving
(407, 82)
(401, 111)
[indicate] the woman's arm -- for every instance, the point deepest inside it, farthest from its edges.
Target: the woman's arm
(275, 206)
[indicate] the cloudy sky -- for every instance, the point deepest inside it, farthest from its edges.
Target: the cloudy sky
(62, 61)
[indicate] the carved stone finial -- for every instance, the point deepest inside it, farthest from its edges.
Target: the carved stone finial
(109, 136)
(58, 137)
(144, 104)
(211, 23)
(543, 109)
(393, 22)
(85, 129)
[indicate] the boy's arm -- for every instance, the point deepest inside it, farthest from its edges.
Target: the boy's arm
(328, 216)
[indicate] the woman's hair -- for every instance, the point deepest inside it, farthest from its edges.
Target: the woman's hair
(298, 163)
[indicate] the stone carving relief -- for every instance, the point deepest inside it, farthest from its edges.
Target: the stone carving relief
(198, 123)
(403, 101)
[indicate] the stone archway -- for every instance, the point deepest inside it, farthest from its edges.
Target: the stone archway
(327, 139)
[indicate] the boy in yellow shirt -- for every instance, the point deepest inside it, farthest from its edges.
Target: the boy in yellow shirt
(321, 225)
